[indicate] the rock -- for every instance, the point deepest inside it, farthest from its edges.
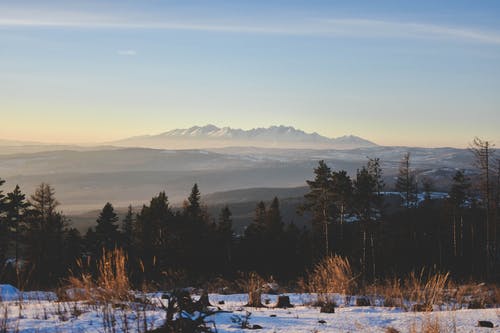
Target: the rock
(273, 315)
(256, 327)
(321, 321)
(222, 302)
(485, 323)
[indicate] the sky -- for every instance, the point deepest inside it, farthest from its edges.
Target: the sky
(417, 73)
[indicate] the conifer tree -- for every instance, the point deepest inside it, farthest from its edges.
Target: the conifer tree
(342, 193)
(256, 229)
(3, 227)
(128, 229)
(483, 152)
(405, 183)
(107, 234)
(365, 197)
(458, 197)
(16, 207)
(274, 222)
(320, 201)
(225, 231)
(193, 209)
(45, 236)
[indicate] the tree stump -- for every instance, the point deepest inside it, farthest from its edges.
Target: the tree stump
(328, 308)
(362, 301)
(284, 302)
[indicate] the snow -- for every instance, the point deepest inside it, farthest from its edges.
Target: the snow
(8, 292)
(50, 316)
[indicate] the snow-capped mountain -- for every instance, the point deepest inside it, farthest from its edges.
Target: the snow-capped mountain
(211, 136)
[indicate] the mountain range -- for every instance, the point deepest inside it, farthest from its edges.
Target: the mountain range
(211, 136)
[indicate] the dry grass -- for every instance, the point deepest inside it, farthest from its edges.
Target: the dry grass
(426, 289)
(428, 325)
(333, 275)
(421, 289)
(252, 284)
(112, 283)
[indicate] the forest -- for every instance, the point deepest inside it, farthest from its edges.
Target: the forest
(354, 217)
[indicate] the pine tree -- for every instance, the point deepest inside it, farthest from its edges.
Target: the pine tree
(151, 233)
(274, 221)
(45, 236)
(107, 228)
(3, 227)
(128, 229)
(376, 172)
(365, 197)
(459, 195)
(483, 152)
(255, 230)
(320, 201)
(225, 231)
(342, 195)
(193, 209)
(405, 183)
(225, 225)
(16, 206)
(73, 247)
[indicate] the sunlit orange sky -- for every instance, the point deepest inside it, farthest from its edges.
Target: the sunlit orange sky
(423, 73)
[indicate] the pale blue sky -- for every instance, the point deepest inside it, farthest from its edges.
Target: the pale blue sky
(423, 73)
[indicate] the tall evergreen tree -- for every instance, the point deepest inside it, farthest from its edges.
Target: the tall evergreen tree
(3, 228)
(365, 197)
(320, 201)
(45, 236)
(274, 221)
(375, 170)
(483, 152)
(17, 206)
(151, 233)
(459, 195)
(225, 231)
(128, 229)
(193, 209)
(405, 183)
(107, 234)
(342, 195)
(255, 230)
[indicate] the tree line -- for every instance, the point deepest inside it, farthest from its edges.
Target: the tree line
(349, 215)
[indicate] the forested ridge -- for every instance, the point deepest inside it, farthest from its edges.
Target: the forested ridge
(348, 216)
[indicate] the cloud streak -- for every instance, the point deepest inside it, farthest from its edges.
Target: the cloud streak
(129, 53)
(328, 27)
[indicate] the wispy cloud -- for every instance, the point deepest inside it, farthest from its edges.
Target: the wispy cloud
(334, 27)
(127, 52)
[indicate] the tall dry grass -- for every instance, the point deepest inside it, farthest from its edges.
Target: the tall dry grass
(426, 289)
(111, 284)
(333, 275)
(252, 284)
(420, 288)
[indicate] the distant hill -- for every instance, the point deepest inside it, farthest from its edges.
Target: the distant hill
(86, 179)
(211, 136)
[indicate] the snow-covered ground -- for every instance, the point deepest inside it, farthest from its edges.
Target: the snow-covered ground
(41, 313)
